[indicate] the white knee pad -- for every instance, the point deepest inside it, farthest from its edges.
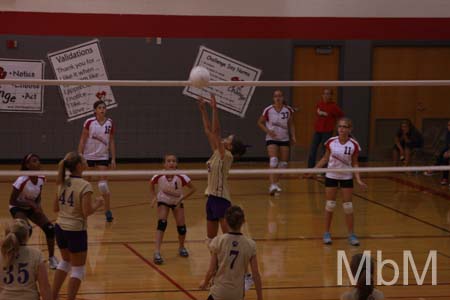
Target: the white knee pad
(64, 266)
(330, 205)
(78, 272)
(273, 162)
(348, 207)
(103, 186)
(282, 164)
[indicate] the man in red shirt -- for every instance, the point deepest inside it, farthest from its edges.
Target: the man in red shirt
(327, 113)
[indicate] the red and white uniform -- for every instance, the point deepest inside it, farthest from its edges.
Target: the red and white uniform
(341, 156)
(28, 190)
(172, 184)
(97, 144)
(278, 122)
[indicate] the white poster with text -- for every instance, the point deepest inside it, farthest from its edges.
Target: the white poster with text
(26, 98)
(234, 99)
(82, 62)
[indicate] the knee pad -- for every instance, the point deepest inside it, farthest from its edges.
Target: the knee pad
(348, 207)
(78, 272)
(162, 225)
(103, 186)
(282, 164)
(64, 266)
(181, 230)
(49, 231)
(273, 162)
(330, 205)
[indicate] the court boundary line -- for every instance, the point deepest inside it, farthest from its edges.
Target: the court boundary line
(395, 210)
(158, 270)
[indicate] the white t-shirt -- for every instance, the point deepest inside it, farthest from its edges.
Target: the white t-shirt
(278, 122)
(28, 190)
(341, 156)
(173, 184)
(97, 144)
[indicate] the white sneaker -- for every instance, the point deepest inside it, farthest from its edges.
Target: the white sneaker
(53, 263)
(273, 189)
(248, 281)
(278, 188)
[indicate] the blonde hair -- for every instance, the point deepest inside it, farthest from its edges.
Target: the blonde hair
(16, 234)
(70, 161)
(347, 120)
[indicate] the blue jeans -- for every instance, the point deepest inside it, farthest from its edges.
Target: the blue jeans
(319, 138)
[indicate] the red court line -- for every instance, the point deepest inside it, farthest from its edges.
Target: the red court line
(162, 273)
(419, 187)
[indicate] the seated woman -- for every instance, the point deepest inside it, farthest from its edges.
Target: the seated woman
(407, 139)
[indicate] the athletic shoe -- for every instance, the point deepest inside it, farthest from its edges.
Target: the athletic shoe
(109, 216)
(273, 189)
(353, 240)
(327, 238)
(53, 263)
(183, 252)
(248, 281)
(428, 173)
(157, 259)
(444, 181)
(278, 188)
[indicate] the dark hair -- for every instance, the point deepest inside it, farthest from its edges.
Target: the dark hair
(235, 217)
(278, 90)
(238, 148)
(70, 161)
(26, 159)
(364, 290)
(413, 134)
(99, 102)
(169, 154)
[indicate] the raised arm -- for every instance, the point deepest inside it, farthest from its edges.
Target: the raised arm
(216, 130)
(206, 124)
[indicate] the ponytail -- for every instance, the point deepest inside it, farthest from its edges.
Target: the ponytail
(16, 234)
(70, 162)
(364, 290)
(61, 172)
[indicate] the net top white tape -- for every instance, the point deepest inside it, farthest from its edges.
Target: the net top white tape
(238, 172)
(173, 83)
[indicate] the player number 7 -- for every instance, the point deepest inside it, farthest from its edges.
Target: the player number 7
(235, 254)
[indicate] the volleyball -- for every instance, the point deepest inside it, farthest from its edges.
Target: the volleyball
(199, 77)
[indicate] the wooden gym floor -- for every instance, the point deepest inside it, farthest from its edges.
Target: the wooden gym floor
(398, 212)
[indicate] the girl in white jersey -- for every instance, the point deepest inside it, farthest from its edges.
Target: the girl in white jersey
(170, 197)
(25, 203)
(22, 266)
(277, 122)
(341, 152)
(73, 204)
(224, 150)
(231, 255)
(98, 147)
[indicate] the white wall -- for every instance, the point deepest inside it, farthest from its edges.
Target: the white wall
(272, 8)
